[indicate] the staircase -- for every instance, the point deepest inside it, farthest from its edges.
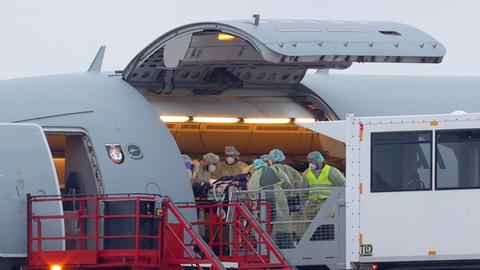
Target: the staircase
(157, 235)
(248, 247)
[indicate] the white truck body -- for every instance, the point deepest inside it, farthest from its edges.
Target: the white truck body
(391, 218)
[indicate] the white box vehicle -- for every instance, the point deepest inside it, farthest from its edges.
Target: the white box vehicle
(413, 190)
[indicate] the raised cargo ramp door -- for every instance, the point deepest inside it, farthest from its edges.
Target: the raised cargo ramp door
(26, 167)
(215, 56)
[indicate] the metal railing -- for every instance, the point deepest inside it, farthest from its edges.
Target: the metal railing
(234, 234)
(292, 212)
(147, 231)
(313, 232)
(105, 227)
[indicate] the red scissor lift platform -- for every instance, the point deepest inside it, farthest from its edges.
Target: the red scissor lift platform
(144, 231)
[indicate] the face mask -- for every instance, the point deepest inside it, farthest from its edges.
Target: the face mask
(312, 166)
(230, 160)
(211, 168)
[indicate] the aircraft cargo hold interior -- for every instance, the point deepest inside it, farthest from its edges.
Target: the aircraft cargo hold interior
(254, 125)
(215, 88)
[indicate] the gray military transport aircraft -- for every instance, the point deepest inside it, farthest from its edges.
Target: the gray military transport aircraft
(196, 89)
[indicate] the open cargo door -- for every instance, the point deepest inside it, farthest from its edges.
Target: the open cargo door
(26, 167)
(215, 56)
(333, 129)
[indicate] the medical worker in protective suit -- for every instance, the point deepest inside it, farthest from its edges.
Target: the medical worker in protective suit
(271, 180)
(295, 199)
(189, 167)
(232, 165)
(249, 169)
(202, 174)
(205, 168)
(277, 158)
(320, 178)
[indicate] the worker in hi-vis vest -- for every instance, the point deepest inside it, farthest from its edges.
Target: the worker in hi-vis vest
(320, 178)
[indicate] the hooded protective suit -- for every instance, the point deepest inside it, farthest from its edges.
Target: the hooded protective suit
(224, 169)
(272, 181)
(232, 165)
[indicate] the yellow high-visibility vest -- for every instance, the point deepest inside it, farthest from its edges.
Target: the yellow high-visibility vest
(319, 191)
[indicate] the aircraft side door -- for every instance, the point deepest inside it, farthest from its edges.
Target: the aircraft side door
(26, 166)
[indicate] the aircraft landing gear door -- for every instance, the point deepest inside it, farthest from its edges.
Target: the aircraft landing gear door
(26, 166)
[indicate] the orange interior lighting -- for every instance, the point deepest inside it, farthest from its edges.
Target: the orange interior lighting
(216, 119)
(267, 120)
(226, 37)
(174, 119)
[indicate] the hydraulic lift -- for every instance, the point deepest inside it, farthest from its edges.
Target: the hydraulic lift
(145, 231)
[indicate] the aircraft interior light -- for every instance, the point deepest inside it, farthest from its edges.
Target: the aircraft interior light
(226, 37)
(304, 120)
(55, 267)
(176, 119)
(267, 120)
(216, 119)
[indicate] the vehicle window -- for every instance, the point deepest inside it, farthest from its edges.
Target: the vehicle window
(457, 159)
(401, 161)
